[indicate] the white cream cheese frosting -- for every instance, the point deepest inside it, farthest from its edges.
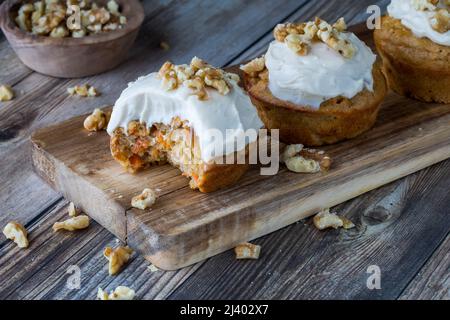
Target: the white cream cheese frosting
(230, 115)
(320, 75)
(417, 21)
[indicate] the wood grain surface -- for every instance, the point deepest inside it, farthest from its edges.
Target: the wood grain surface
(42, 101)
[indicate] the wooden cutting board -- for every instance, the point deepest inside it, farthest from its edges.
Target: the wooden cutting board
(186, 226)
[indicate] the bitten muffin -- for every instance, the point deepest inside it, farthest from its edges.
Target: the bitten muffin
(317, 84)
(188, 116)
(414, 43)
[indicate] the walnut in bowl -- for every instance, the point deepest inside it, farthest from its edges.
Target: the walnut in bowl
(48, 38)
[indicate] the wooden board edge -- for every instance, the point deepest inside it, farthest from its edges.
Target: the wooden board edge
(165, 252)
(61, 177)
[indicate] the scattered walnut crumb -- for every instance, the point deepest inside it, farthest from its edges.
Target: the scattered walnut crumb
(120, 293)
(324, 220)
(145, 200)
(83, 91)
(301, 160)
(152, 268)
(117, 258)
(164, 45)
(247, 251)
(72, 224)
(73, 211)
(197, 76)
(6, 93)
(17, 233)
(299, 37)
(97, 121)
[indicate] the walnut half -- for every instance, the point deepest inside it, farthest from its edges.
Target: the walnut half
(301, 160)
(97, 121)
(145, 200)
(17, 233)
(117, 258)
(325, 219)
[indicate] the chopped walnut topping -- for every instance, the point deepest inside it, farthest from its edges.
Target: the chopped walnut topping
(72, 224)
(247, 251)
(441, 21)
(302, 160)
(97, 121)
(145, 200)
(117, 258)
(120, 293)
(324, 220)
(17, 233)
(255, 66)
(57, 18)
(299, 37)
(424, 5)
(6, 93)
(198, 76)
(83, 91)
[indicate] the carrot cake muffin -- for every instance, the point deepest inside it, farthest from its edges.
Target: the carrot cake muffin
(317, 83)
(191, 116)
(414, 43)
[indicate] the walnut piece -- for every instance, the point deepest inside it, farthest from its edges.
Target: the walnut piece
(324, 220)
(83, 91)
(97, 121)
(17, 233)
(299, 37)
(301, 160)
(254, 67)
(72, 224)
(247, 251)
(117, 258)
(441, 21)
(425, 5)
(120, 293)
(73, 211)
(145, 200)
(197, 76)
(57, 18)
(6, 93)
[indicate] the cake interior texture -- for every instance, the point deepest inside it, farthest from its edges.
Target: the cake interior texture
(176, 143)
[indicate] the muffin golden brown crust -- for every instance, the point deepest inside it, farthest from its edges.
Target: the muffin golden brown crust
(337, 119)
(414, 67)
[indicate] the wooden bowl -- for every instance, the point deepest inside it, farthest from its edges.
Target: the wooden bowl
(72, 57)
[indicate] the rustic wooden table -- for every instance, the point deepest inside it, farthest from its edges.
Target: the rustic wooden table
(403, 228)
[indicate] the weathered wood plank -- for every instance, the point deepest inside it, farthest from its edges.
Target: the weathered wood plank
(433, 280)
(45, 100)
(398, 228)
(41, 271)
